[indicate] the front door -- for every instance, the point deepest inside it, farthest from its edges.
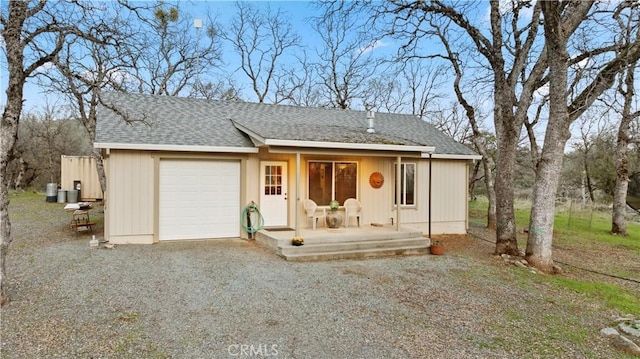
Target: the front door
(273, 193)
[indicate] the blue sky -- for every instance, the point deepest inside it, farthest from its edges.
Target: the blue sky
(298, 13)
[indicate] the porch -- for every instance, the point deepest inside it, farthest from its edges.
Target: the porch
(344, 243)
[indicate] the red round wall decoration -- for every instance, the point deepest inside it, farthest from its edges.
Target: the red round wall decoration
(376, 180)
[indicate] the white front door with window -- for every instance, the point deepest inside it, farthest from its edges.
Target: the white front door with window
(273, 193)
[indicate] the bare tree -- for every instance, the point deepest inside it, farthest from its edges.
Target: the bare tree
(44, 136)
(295, 85)
(262, 38)
(516, 67)
(220, 89)
(470, 111)
(424, 82)
(34, 34)
(407, 86)
(346, 58)
(561, 115)
(82, 80)
(169, 55)
(626, 88)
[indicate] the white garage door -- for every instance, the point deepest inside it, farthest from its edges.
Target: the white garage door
(199, 199)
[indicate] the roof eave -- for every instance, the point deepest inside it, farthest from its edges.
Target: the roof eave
(456, 156)
(177, 148)
(349, 146)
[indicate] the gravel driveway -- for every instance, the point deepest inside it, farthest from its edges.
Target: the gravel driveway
(234, 299)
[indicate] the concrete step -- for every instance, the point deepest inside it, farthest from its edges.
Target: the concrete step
(323, 247)
(266, 241)
(341, 236)
(354, 249)
(355, 254)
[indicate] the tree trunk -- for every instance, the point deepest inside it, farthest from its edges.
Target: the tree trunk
(474, 179)
(588, 178)
(102, 175)
(539, 250)
(508, 135)
(22, 165)
(491, 193)
(8, 137)
(9, 126)
(506, 242)
(618, 219)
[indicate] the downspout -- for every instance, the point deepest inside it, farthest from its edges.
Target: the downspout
(398, 191)
(430, 158)
(297, 214)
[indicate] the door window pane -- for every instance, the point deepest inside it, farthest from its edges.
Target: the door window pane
(273, 180)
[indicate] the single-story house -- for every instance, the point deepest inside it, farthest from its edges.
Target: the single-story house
(185, 168)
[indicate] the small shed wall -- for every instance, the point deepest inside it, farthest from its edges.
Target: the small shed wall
(81, 168)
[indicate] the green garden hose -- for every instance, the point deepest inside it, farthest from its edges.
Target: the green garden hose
(251, 218)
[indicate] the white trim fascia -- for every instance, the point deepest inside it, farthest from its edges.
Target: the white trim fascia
(254, 136)
(180, 148)
(456, 157)
(349, 146)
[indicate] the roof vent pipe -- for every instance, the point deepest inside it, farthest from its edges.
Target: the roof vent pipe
(370, 116)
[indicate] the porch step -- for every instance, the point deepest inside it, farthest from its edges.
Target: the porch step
(345, 243)
(353, 249)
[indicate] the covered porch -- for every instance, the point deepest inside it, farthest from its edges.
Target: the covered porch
(344, 243)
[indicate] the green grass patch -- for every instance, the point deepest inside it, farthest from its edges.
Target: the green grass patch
(586, 229)
(570, 225)
(612, 296)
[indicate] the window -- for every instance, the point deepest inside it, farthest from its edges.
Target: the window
(407, 183)
(332, 180)
(273, 180)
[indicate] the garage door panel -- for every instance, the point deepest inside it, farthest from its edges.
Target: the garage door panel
(199, 199)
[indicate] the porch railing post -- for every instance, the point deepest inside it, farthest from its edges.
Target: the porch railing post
(398, 191)
(297, 214)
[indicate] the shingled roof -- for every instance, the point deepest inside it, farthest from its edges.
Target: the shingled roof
(135, 119)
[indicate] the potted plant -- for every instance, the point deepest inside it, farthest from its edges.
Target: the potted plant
(297, 241)
(437, 247)
(334, 219)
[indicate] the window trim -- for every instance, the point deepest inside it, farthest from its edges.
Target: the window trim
(333, 178)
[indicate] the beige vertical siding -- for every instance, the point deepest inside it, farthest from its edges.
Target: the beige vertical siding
(377, 203)
(131, 209)
(130, 198)
(82, 168)
(131, 203)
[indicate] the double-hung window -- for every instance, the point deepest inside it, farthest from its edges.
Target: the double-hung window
(407, 184)
(331, 180)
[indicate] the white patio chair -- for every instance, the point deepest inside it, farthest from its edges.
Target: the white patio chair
(352, 208)
(313, 212)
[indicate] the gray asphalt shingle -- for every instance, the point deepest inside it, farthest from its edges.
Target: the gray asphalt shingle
(165, 120)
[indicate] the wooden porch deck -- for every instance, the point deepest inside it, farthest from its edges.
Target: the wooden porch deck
(342, 243)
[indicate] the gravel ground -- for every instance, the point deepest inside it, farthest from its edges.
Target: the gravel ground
(232, 298)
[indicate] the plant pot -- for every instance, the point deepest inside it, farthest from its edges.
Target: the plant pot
(334, 219)
(437, 249)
